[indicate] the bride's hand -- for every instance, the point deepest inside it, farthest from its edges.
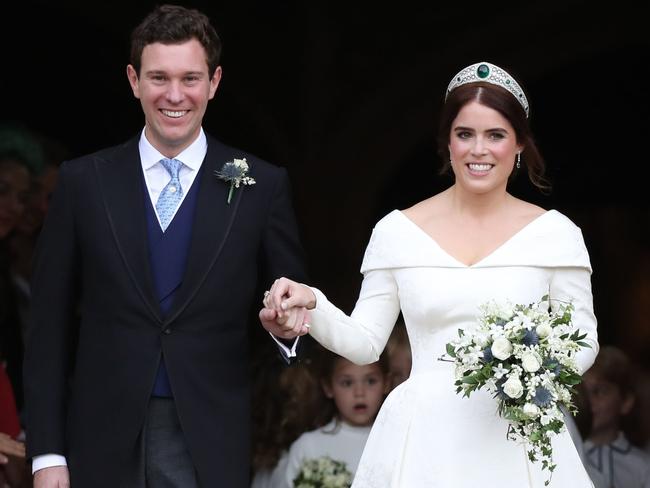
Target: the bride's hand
(286, 294)
(285, 312)
(293, 324)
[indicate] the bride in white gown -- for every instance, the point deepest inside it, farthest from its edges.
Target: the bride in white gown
(438, 261)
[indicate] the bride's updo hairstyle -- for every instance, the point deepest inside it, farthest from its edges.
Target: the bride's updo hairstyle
(492, 87)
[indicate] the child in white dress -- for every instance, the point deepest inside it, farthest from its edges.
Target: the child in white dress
(355, 393)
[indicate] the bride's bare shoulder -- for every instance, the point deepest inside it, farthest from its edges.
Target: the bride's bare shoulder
(523, 213)
(428, 208)
(527, 210)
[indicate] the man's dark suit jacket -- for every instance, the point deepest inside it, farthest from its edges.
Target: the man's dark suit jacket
(92, 259)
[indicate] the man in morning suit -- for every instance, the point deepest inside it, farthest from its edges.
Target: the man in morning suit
(145, 243)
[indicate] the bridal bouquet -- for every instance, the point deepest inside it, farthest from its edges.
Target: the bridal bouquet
(323, 472)
(525, 356)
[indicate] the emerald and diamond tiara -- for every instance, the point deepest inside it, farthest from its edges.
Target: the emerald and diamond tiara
(489, 73)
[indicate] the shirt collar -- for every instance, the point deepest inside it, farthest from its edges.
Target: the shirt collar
(192, 156)
(620, 444)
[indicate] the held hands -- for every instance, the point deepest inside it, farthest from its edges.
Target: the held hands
(286, 309)
(54, 477)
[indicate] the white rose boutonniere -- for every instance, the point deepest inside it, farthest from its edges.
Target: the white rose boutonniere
(236, 173)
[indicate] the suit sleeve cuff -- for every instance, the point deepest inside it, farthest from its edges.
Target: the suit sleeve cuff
(47, 461)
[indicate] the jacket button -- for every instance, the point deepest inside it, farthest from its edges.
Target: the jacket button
(167, 331)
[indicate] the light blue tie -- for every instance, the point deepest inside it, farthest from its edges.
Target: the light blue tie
(171, 195)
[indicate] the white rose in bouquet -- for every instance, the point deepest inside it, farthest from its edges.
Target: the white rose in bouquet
(513, 387)
(544, 330)
(530, 362)
(531, 409)
(501, 348)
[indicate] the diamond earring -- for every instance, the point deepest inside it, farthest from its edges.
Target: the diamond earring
(518, 160)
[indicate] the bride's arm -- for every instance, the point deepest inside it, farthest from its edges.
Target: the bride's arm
(574, 284)
(360, 337)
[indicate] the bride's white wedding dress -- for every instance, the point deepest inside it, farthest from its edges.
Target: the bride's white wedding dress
(426, 435)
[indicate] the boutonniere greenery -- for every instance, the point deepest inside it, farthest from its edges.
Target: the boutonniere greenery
(235, 172)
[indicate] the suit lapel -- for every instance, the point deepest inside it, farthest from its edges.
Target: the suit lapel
(212, 223)
(121, 183)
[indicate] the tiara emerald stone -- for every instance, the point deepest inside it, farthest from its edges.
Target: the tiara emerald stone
(488, 73)
(483, 71)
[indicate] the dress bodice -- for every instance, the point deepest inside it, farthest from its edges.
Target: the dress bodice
(404, 268)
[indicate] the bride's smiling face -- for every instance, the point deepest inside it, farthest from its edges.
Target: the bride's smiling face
(483, 147)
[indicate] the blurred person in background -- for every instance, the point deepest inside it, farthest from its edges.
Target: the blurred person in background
(610, 386)
(14, 188)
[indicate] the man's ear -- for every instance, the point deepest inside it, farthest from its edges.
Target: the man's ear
(214, 81)
(132, 75)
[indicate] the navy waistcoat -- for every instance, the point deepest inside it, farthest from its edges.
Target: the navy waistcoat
(168, 258)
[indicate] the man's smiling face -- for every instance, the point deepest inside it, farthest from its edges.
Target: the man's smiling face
(174, 86)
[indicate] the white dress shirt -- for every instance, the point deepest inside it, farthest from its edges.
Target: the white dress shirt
(156, 178)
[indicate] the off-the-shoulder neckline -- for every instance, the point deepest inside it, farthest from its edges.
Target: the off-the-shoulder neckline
(514, 236)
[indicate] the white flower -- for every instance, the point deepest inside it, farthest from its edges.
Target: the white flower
(481, 339)
(546, 419)
(564, 395)
(526, 322)
(501, 348)
(513, 387)
(499, 371)
(240, 163)
(505, 312)
(544, 330)
(531, 409)
(235, 172)
(530, 362)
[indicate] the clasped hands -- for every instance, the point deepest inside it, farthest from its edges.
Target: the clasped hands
(286, 309)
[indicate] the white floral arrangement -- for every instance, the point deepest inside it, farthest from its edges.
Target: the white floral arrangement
(235, 172)
(525, 356)
(323, 472)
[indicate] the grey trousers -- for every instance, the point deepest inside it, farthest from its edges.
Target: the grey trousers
(163, 460)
